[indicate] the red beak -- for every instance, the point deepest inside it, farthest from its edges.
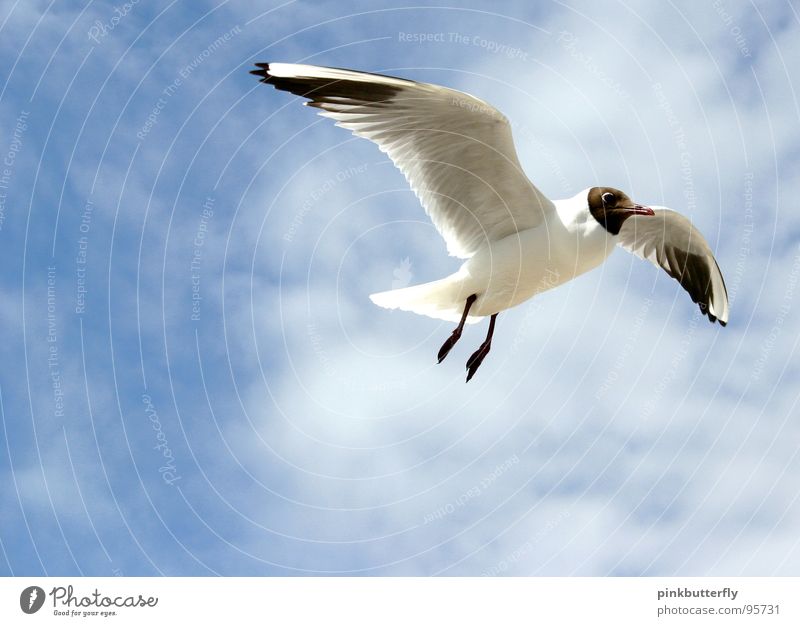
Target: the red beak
(638, 209)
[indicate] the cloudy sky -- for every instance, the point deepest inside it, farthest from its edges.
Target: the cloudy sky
(193, 380)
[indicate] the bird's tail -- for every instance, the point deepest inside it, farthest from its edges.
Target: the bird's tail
(441, 299)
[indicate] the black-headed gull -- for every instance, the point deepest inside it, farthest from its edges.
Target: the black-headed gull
(457, 153)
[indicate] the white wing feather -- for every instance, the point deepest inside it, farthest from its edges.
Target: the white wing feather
(456, 151)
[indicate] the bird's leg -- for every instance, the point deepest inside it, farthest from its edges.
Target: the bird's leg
(477, 357)
(451, 340)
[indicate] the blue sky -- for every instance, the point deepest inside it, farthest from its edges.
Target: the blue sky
(194, 382)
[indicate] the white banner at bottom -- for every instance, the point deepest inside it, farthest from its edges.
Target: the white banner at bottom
(401, 601)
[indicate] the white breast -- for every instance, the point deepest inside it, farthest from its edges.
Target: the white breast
(516, 268)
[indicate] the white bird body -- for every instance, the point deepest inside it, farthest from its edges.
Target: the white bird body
(457, 153)
(509, 271)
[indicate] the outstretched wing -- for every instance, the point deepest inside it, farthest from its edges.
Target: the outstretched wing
(456, 151)
(669, 241)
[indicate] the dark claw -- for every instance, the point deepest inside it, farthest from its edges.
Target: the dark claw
(448, 344)
(476, 359)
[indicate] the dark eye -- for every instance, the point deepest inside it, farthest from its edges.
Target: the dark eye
(608, 199)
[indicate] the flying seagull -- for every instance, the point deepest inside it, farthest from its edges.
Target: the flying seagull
(457, 153)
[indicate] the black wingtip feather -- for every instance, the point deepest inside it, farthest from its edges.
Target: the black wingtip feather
(262, 71)
(711, 317)
(319, 89)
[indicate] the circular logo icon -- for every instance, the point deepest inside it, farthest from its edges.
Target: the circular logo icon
(31, 599)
